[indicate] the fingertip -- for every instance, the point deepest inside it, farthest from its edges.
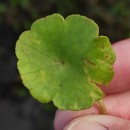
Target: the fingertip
(64, 117)
(98, 122)
(121, 80)
(84, 123)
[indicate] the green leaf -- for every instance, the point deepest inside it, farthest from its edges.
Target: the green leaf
(61, 60)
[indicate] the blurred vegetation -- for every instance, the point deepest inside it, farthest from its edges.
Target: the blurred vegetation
(16, 16)
(112, 16)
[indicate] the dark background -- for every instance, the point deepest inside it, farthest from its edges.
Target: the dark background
(18, 110)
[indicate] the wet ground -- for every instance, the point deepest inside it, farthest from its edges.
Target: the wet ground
(24, 115)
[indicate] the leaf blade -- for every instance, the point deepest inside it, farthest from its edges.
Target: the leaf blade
(61, 60)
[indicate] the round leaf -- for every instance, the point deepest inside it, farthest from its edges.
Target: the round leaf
(62, 60)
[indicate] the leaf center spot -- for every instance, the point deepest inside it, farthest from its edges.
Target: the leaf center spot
(62, 62)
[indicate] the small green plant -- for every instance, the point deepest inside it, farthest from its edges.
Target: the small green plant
(63, 60)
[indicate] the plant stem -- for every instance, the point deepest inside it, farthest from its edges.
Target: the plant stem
(102, 107)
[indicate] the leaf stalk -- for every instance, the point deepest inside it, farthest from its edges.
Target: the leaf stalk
(102, 107)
